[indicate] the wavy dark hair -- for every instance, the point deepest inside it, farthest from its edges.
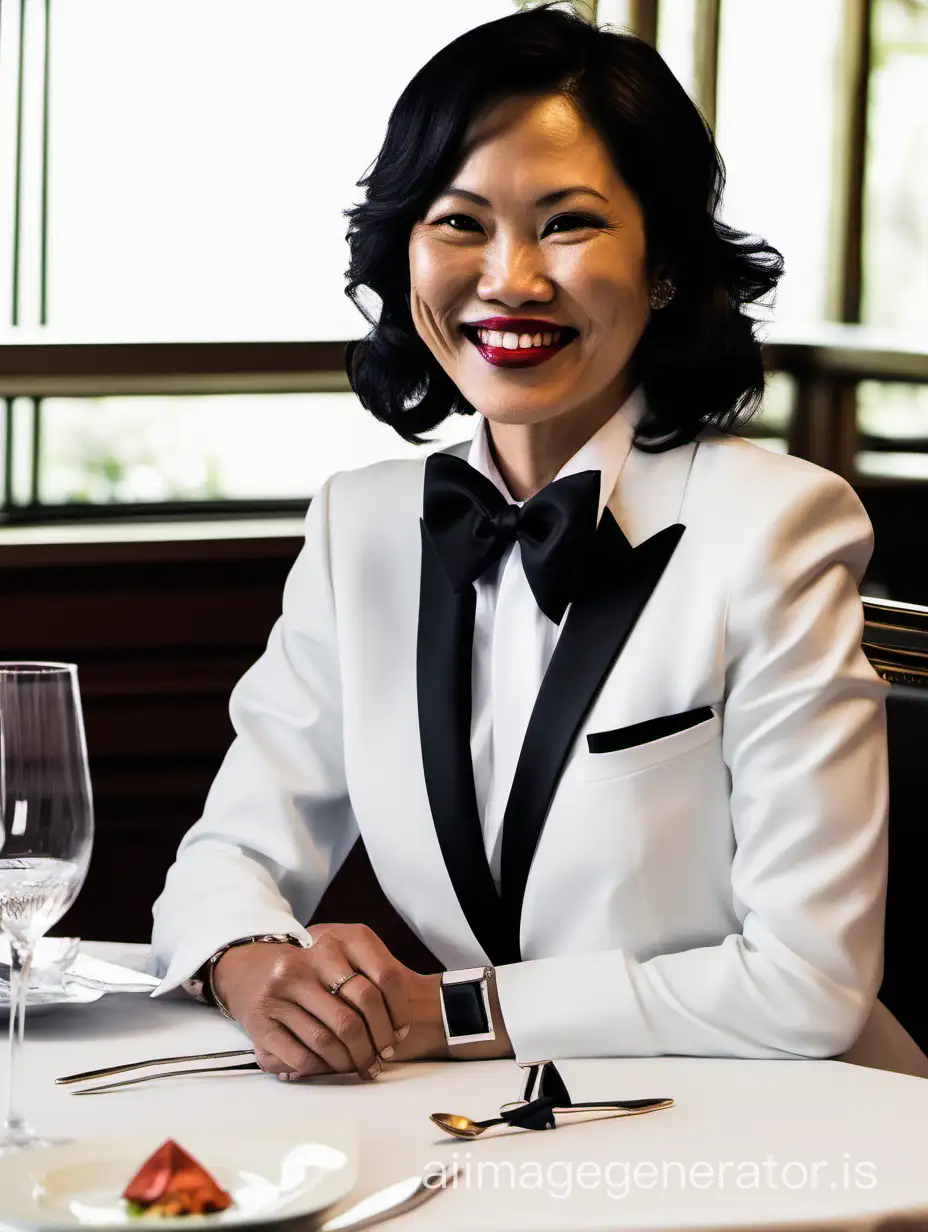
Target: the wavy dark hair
(698, 359)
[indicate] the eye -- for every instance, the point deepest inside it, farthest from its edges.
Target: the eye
(441, 222)
(579, 220)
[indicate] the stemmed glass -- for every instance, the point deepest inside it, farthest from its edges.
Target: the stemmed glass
(46, 831)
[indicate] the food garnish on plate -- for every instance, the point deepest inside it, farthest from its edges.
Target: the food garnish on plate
(171, 1182)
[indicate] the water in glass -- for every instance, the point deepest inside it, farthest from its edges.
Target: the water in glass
(46, 832)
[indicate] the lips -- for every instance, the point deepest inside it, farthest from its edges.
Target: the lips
(519, 357)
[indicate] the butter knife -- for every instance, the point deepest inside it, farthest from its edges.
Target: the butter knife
(394, 1200)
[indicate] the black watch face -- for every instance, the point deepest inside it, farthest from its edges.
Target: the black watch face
(464, 1009)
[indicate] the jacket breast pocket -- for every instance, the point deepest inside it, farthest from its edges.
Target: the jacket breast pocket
(625, 750)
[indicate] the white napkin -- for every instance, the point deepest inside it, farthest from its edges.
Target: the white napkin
(111, 976)
(56, 959)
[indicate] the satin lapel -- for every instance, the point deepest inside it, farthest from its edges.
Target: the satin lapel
(618, 583)
(443, 670)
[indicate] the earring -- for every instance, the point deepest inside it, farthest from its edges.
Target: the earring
(662, 293)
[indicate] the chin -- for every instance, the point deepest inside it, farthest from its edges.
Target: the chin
(521, 414)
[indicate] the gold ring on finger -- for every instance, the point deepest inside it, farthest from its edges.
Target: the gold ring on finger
(333, 988)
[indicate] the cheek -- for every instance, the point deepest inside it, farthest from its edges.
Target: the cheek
(433, 276)
(620, 301)
(610, 286)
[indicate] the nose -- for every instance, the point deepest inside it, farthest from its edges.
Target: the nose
(514, 274)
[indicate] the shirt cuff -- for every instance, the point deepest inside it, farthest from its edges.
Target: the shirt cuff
(573, 1005)
(183, 968)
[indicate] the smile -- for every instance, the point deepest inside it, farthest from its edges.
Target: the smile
(520, 352)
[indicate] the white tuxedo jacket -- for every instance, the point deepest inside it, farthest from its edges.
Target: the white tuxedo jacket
(717, 890)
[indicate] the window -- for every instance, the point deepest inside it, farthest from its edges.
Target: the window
(776, 127)
(895, 242)
(190, 182)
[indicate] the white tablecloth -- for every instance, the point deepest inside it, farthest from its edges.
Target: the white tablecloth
(749, 1144)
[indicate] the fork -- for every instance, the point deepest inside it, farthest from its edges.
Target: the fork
(167, 1073)
(110, 1070)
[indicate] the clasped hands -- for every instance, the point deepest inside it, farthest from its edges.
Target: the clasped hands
(280, 995)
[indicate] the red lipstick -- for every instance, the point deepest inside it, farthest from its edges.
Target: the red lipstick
(520, 357)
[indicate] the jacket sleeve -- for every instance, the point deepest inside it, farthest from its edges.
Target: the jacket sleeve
(804, 739)
(277, 822)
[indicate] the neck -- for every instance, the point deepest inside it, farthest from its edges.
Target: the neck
(528, 456)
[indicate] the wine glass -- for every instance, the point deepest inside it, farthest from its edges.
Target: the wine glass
(46, 831)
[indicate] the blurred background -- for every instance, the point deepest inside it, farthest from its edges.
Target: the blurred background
(173, 318)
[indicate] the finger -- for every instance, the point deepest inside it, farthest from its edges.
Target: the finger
(281, 1043)
(316, 1037)
(368, 954)
(367, 1000)
(269, 1062)
(272, 1064)
(344, 1022)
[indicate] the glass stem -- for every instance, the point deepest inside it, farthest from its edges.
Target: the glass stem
(20, 968)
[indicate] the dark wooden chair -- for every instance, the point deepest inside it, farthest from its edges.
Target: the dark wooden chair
(896, 642)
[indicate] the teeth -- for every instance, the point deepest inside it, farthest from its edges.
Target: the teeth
(515, 342)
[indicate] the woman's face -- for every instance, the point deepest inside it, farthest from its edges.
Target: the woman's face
(578, 261)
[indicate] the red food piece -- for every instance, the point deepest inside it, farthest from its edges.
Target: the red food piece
(174, 1182)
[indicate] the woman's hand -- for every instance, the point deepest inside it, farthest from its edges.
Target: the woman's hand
(280, 996)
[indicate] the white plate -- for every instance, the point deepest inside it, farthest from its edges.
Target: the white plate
(41, 1000)
(278, 1174)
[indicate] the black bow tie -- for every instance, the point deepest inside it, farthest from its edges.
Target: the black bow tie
(471, 524)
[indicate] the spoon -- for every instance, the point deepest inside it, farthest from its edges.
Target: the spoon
(463, 1127)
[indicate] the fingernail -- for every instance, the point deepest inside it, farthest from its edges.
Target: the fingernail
(375, 1069)
(401, 1033)
(283, 1077)
(386, 1053)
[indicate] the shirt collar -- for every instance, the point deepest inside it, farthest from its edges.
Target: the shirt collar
(605, 451)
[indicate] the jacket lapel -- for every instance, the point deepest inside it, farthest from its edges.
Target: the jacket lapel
(443, 672)
(617, 585)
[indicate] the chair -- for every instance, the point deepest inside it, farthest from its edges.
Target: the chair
(896, 642)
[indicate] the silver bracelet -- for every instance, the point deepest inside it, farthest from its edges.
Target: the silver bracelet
(212, 996)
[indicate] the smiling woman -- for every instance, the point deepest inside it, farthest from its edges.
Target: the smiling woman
(590, 685)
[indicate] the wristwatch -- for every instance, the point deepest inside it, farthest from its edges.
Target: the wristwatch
(465, 1006)
(210, 996)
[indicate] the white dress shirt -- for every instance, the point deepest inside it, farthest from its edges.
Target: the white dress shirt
(513, 639)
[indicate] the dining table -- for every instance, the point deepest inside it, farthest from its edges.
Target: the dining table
(748, 1144)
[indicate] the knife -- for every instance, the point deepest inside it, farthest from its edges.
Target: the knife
(395, 1199)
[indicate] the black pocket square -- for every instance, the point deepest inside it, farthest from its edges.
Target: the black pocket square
(650, 729)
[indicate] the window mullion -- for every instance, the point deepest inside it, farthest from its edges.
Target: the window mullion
(642, 19)
(706, 57)
(848, 170)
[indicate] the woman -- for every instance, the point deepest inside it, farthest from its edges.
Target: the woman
(590, 685)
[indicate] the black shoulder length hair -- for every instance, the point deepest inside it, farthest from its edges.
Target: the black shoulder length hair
(698, 358)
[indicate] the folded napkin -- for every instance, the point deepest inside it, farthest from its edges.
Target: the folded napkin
(111, 977)
(57, 962)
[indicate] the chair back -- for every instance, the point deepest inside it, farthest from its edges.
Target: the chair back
(896, 643)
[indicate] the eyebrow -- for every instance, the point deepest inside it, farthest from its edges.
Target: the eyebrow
(547, 199)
